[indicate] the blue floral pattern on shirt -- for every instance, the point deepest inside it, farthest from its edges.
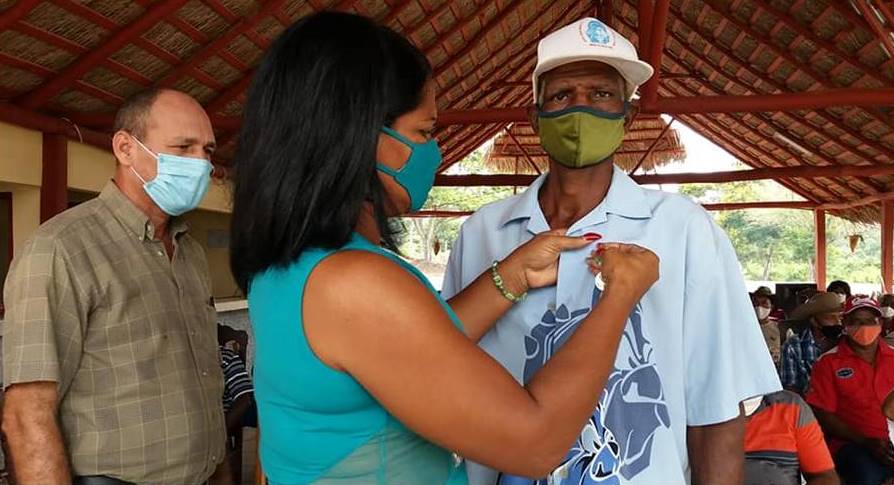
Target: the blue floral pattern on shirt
(617, 439)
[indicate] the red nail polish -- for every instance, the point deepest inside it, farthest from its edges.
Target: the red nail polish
(600, 249)
(592, 236)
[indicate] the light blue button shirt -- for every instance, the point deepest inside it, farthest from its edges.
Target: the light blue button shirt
(692, 349)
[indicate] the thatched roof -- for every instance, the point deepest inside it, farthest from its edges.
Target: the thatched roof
(78, 59)
(514, 150)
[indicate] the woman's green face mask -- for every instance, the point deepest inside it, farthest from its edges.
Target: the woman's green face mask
(581, 136)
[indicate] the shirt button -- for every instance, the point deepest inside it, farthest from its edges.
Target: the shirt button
(213, 457)
(204, 373)
(161, 253)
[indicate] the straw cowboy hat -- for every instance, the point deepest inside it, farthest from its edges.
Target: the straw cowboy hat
(818, 304)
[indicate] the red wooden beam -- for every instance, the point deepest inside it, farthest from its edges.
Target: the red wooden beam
(506, 44)
(803, 172)
(54, 177)
(645, 11)
(97, 55)
(652, 147)
(25, 118)
(819, 247)
(240, 86)
(16, 12)
(852, 204)
(605, 11)
(706, 104)
(231, 93)
(876, 26)
(808, 34)
(513, 66)
(524, 152)
(685, 45)
(887, 227)
(220, 43)
(396, 11)
(461, 117)
(473, 43)
(767, 154)
(771, 121)
(732, 145)
(656, 51)
(793, 205)
(479, 116)
(510, 150)
(734, 206)
(222, 10)
(788, 55)
(439, 213)
(775, 102)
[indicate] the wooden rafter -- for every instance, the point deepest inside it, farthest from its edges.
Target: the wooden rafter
(769, 121)
(16, 12)
(97, 55)
(685, 44)
(785, 54)
(220, 43)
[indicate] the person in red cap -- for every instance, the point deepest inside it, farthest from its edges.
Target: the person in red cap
(847, 389)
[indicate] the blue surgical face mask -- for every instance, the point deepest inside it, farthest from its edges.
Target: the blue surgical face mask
(180, 183)
(418, 175)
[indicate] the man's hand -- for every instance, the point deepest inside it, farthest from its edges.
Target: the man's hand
(828, 477)
(32, 433)
(882, 450)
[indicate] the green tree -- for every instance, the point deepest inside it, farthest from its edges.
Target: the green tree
(778, 245)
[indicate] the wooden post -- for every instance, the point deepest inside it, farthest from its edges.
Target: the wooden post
(54, 177)
(820, 248)
(887, 244)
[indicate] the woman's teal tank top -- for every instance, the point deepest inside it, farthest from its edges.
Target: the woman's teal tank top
(317, 424)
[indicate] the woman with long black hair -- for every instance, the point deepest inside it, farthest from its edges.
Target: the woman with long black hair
(363, 373)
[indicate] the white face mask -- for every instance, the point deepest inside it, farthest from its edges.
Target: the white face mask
(887, 312)
(762, 312)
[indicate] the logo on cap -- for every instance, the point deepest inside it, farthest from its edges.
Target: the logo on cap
(596, 33)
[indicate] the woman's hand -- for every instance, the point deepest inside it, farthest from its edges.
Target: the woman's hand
(535, 264)
(628, 270)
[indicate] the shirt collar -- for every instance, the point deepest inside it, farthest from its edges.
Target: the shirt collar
(845, 350)
(624, 198)
(133, 218)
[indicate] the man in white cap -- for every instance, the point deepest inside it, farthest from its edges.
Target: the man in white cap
(691, 354)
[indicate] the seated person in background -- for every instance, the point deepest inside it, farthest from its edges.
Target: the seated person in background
(888, 411)
(238, 396)
(762, 299)
(783, 441)
(822, 313)
(238, 402)
(887, 307)
(840, 288)
(847, 388)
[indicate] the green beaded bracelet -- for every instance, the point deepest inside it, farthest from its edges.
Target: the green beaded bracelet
(498, 282)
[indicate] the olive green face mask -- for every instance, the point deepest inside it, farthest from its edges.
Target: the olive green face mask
(580, 136)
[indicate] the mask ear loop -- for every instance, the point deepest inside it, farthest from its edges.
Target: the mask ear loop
(147, 151)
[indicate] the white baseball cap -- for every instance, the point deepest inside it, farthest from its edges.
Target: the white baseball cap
(589, 39)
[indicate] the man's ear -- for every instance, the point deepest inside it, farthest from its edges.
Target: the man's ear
(533, 116)
(123, 147)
